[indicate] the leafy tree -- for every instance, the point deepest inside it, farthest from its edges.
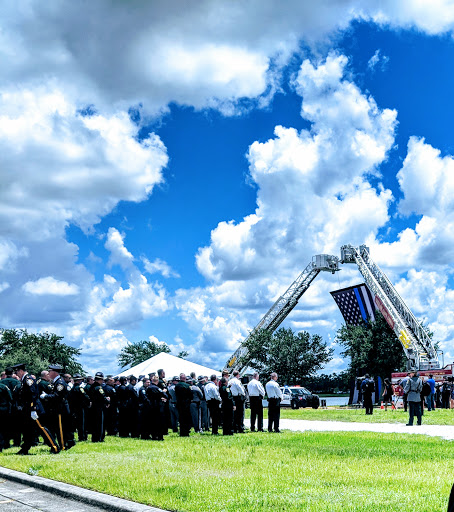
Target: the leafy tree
(136, 353)
(183, 354)
(373, 348)
(328, 384)
(292, 356)
(36, 351)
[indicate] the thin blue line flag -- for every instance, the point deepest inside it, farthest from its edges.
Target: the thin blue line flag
(356, 304)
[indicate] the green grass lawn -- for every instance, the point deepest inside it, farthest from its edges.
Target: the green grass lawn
(437, 417)
(260, 472)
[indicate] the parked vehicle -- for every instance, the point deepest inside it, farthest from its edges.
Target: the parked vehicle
(296, 397)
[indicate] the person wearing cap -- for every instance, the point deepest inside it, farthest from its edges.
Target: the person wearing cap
(13, 429)
(30, 408)
(99, 402)
(58, 418)
(123, 397)
(173, 404)
(145, 412)
(163, 385)
(79, 402)
(111, 413)
(133, 407)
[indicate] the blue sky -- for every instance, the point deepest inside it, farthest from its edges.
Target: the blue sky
(170, 182)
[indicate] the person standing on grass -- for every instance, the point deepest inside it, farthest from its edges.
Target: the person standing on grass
(413, 389)
(173, 404)
(6, 401)
(256, 395)
(30, 408)
(387, 393)
(58, 418)
(228, 408)
(99, 403)
(367, 388)
(183, 394)
(430, 400)
(239, 397)
(403, 383)
(274, 403)
(213, 401)
(157, 398)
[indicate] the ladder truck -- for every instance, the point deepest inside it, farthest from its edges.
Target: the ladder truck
(417, 345)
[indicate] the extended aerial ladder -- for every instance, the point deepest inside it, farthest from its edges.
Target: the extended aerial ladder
(285, 303)
(415, 341)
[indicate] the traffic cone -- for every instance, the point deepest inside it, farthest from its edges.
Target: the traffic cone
(382, 406)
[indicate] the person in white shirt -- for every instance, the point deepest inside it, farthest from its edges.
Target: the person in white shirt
(274, 403)
(256, 394)
(213, 401)
(239, 398)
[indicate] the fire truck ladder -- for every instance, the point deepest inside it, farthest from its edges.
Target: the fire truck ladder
(416, 343)
(284, 304)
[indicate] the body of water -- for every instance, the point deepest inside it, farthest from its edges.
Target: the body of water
(335, 400)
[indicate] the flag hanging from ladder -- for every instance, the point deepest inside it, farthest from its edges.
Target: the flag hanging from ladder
(356, 304)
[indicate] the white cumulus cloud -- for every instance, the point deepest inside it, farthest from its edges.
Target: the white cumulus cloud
(50, 286)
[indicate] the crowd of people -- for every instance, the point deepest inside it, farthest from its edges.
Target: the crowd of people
(56, 405)
(414, 392)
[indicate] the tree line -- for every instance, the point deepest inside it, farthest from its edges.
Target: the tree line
(297, 357)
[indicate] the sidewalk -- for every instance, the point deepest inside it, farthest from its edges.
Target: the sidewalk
(71, 492)
(444, 431)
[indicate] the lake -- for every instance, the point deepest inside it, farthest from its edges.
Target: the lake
(335, 400)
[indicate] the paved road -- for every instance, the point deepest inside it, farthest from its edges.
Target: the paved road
(16, 497)
(444, 431)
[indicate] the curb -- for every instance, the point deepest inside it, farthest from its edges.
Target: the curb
(86, 496)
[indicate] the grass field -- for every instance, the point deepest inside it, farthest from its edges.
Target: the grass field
(259, 471)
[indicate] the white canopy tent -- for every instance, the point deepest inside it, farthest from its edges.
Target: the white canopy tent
(172, 365)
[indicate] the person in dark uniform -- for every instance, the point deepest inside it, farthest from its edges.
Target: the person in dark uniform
(227, 408)
(123, 398)
(157, 399)
(204, 418)
(58, 418)
(13, 427)
(195, 406)
(183, 394)
(145, 416)
(133, 407)
(173, 404)
(30, 408)
(79, 402)
(99, 402)
(43, 382)
(213, 402)
(6, 401)
(111, 413)
(163, 385)
(367, 388)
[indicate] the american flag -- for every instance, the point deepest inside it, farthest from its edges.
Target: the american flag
(356, 304)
